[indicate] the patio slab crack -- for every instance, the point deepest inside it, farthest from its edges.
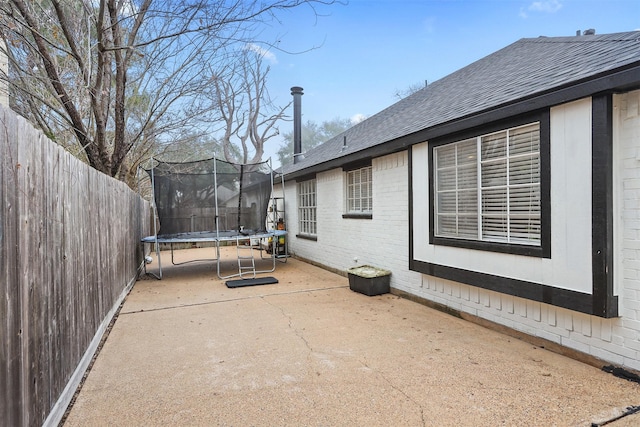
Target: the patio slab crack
(398, 389)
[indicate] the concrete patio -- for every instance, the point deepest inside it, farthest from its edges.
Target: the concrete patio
(307, 351)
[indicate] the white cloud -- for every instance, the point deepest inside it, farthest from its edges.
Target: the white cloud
(548, 6)
(429, 25)
(266, 54)
(543, 6)
(357, 118)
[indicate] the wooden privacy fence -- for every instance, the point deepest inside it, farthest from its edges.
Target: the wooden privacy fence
(69, 254)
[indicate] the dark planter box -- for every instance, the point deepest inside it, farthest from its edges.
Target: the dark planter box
(369, 280)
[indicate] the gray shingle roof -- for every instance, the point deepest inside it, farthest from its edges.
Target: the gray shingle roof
(526, 68)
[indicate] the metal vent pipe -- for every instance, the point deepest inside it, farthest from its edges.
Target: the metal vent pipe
(296, 91)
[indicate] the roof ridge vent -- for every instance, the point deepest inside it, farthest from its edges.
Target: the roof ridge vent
(589, 32)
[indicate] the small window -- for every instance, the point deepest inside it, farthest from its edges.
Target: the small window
(487, 188)
(360, 191)
(307, 221)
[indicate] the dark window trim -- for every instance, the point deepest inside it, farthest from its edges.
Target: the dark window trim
(307, 237)
(558, 297)
(542, 251)
(358, 164)
(307, 177)
(601, 302)
(481, 245)
(605, 304)
(357, 216)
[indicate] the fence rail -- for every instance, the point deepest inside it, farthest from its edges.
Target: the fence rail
(68, 254)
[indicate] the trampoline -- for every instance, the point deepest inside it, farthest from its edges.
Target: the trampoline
(215, 201)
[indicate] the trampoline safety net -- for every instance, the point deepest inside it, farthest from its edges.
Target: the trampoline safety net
(190, 196)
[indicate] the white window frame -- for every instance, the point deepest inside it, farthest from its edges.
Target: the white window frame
(307, 208)
(359, 191)
(477, 197)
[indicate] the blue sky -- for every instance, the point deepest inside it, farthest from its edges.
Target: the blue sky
(358, 55)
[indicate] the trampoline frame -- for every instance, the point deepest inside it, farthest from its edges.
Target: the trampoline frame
(217, 237)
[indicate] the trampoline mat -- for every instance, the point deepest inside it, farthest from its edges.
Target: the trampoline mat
(211, 236)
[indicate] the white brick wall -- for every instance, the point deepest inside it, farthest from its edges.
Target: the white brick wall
(384, 242)
(625, 338)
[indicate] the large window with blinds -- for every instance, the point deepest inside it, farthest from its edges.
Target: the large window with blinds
(487, 188)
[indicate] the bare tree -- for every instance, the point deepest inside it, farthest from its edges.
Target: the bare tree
(410, 90)
(190, 146)
(239, 98)
(118, 76)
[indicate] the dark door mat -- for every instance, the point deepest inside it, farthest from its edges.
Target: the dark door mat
(251, 282)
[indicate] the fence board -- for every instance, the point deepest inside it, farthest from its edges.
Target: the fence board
(24, 234)
(5, 302)
(10, 328)
(68, 251)
(54, 269)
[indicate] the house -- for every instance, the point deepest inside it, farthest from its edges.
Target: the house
(507, 192)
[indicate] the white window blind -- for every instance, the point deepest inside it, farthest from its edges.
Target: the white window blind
(307, 207)
(360, 190)
(488, 188)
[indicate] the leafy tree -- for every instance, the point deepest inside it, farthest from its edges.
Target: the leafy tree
(313, 134)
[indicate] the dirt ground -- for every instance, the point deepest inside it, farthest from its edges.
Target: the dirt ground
(307, 351)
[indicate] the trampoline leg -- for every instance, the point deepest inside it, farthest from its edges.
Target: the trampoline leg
(159, 261)
(147, 272)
